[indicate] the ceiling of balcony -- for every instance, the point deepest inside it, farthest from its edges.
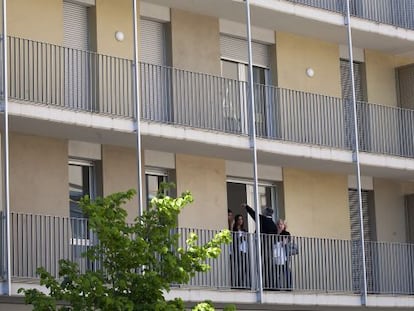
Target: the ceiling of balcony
(304, 21)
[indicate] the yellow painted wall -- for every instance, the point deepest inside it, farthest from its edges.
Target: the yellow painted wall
(112, 16)
(316, 204)
(39, 175)
(390, 209)
(40, 20)
(195, 42)
(381, 78)
(206, 179)
(295, 53)
(119, 172)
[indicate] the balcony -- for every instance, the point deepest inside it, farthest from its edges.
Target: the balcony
(322, 265)
(65, 78)
(398, 13)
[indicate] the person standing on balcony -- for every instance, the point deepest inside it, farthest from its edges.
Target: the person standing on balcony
(268, 233)
(230, 219)
(281, 256)
(240, 269)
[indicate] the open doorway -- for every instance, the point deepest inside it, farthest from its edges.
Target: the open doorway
(242, 191)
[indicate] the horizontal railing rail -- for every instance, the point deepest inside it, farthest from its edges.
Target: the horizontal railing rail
(73, 79)
(289, 263)
(393, 12)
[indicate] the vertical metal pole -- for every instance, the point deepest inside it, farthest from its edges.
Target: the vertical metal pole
(355, 156)
(252, 134)
(137, 108)
(5, 162)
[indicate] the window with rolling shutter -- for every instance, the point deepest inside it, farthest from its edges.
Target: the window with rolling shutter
(409, 207)
(346, 80)
(405, 86)
(354, 215)
(363, 114)
(236, 49)
(152, 42)
(77, 63)
(405, 93)
(356, 237)
(234, 59)
(75, 26)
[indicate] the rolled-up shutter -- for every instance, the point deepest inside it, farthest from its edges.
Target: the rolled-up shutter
(236, 49)
(152, 42)
(405, 86)
(77, 62)
(346, 80)
(75, 25)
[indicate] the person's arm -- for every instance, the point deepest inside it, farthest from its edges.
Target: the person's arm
(250, 211)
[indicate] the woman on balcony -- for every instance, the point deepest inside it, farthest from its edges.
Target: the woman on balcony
(281, 256)
(240, 269)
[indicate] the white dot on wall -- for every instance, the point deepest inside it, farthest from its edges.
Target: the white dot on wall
(119, 36)
(310, 72)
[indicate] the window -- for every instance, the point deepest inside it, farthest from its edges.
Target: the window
(363, 113)
(81, 183)
(153, 180)
(77, 76)
(234, 66)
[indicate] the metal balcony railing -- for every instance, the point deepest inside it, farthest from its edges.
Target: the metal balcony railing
(318, 265)
(73, 79)
(398, 13)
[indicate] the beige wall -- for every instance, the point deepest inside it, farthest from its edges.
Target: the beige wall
(390, 218)
(39, 175)
(381, 78)
(195, 42)
(112, 16)
(316, 204)
(119, 172)
(205, 178)
(295, 53)
(40, 20)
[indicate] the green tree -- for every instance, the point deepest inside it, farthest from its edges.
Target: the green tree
(138, 261)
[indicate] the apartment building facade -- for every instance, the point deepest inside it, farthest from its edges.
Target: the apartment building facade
(73, 132)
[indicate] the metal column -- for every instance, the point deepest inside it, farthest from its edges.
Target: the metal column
(252, 135)
(5, 161)
(355, 155)
(137, 108)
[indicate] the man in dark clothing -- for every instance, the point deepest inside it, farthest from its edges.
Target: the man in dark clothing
(267, 225)
(268, 232)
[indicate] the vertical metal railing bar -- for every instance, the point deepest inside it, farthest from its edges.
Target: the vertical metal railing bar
(186, 97)
(192, 99)
(104, 88)
(33, 71)
(201, 121)
(156, 91)
(195, 99)
(210, 112)
(213, 101)
(157, 85)
(152, 91)
(114, 86)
